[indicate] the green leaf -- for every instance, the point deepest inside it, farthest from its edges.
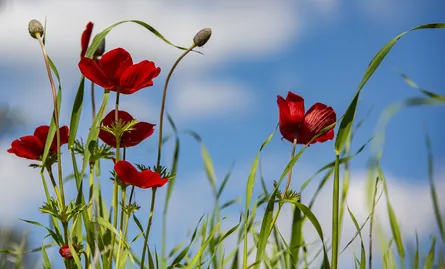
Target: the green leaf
(249, 191)
(392, 217)
(346, 123)
(362, 246)
(433, 187)
(46, 261)
(430, 259)
(94, 130)
(75, 114)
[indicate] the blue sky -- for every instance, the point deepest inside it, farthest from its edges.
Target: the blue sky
(319, 50)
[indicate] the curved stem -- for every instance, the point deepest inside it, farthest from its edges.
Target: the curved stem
(56, 118)
(289, 176)
(164, 96)
(150, 220)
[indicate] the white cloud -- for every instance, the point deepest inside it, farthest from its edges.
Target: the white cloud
(269, 29)
(207, 99)
(21, 185)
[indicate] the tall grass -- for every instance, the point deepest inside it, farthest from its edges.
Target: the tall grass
(259, 241)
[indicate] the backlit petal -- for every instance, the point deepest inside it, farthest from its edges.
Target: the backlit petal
(85, 40)
(138, 76)
(296, 107)
(126, 172)
(89, 68)
(28, 147)
(318, 117)
(140, 132)
(114, 63)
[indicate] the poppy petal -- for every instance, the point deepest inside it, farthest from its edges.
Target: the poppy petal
(89, 68)
(126, 172)
(138, 76)
(41, 133)
(110, 118)
(85, 40)
(140, 132)
(318, 117)
(296, 107)
(114, 63)
(64, 133)
(108, 138)
(28, 147)
(150, 179)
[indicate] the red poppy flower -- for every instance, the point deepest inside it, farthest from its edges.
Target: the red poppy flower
(65, 252)
(129, 175)
(85, 40)
(115, 70)
(294, 123)
(32, 146)
(140, 132)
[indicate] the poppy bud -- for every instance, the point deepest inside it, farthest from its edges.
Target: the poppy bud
(65, 252)
(202, 37)
(101, 49)
(35, 28)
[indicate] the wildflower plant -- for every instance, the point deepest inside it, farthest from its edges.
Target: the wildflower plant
(89, 234)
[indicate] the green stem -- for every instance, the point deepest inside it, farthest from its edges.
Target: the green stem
(289, 179)
(116, 185)
(53, 182)
(289, 175)
(371, 223)
(90, 197)
(93, 101)
(121, 227)
(164, 97)
(161, 124)
(150, 219)
(335, 213)
(56, 118)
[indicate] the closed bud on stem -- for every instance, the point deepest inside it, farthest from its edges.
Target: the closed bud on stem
(101, 49)
(202, 37)
(35, 28)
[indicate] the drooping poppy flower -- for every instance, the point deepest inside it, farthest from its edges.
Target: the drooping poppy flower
(85, 40)
(129, 175)
(65, 252)
(32, 146)
(140, 132)
(294, 123)
(116, 71)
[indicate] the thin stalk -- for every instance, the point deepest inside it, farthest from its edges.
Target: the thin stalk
(93, 101)
(164, 97)
(121, 227)
(90, 197)
(150, 220)
(371, 224)
(53, 182)
(335, 213)
(116, 185)
(126, 226)
(289, 175)
(161, 124)
(56, 118)
(289, 179)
